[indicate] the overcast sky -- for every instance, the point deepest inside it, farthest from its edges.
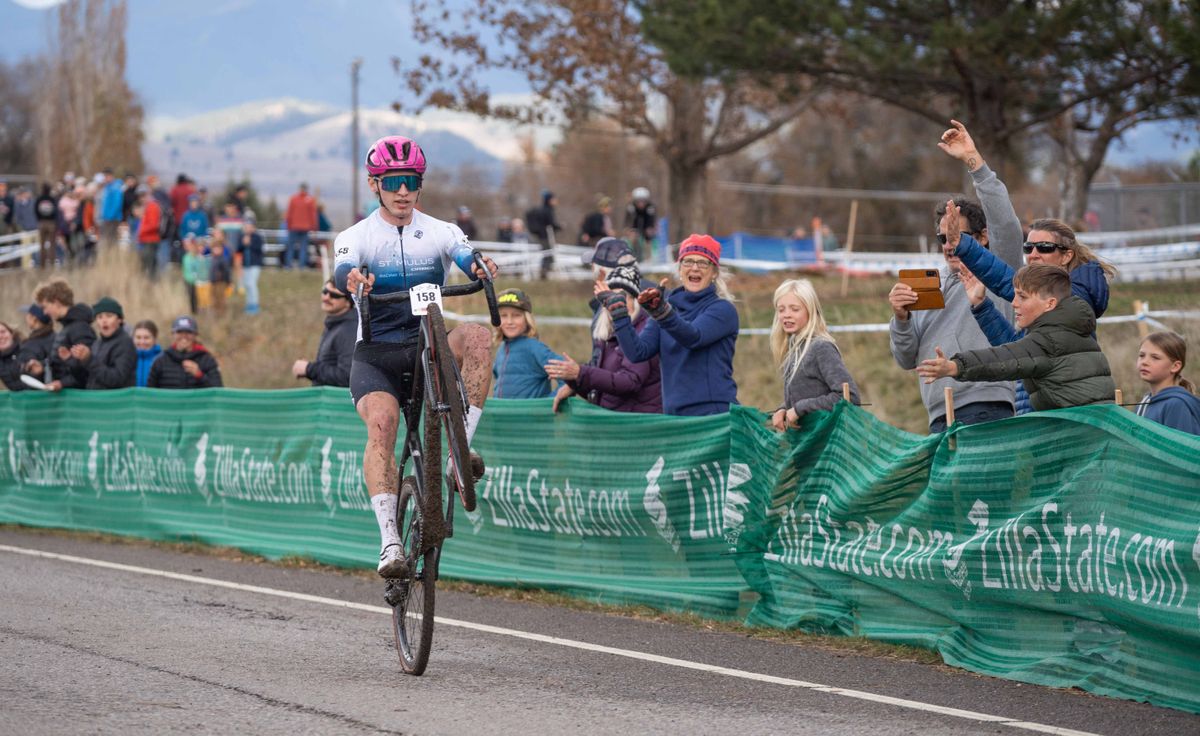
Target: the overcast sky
(201, 55)
(189, 57)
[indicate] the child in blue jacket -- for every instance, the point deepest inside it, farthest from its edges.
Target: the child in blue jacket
(518, 371)
(1172, 399)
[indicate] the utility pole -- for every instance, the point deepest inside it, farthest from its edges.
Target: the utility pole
(355, 174)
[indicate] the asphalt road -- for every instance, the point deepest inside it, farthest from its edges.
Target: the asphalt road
(97, 650)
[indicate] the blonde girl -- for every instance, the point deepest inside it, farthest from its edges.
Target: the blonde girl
(1172, 398)
(805, 353)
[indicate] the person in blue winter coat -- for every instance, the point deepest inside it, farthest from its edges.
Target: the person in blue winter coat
(518, 371)
(693, 333)
(1172, 400)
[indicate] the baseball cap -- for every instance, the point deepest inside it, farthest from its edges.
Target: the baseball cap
(38, 313)
(610, 252)
(514, 298)
(184, 323)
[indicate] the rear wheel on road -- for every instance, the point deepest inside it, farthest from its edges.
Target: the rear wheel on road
(412, 614)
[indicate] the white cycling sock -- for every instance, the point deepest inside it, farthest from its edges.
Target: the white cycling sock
(474, 414)
(385, 513)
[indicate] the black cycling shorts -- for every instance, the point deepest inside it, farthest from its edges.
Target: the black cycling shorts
(383, 366)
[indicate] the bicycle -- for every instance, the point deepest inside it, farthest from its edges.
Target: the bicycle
(438, 393)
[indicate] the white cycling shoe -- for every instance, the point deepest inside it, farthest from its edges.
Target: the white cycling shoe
(392, 563)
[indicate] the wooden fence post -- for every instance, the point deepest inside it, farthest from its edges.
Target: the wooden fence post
(1139, 308)
(948, 393)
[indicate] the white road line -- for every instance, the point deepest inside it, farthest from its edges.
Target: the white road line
(557, 641)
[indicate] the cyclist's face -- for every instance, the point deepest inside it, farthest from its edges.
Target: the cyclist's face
(512, 322)
(400, 203)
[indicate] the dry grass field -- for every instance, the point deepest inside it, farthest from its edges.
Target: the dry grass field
(257, 352)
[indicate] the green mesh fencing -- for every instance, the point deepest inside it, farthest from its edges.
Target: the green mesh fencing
(1056, 548)
(620, 508)
(1059, 548)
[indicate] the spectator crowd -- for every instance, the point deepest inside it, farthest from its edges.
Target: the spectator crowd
(216, 252)
(1008, 324)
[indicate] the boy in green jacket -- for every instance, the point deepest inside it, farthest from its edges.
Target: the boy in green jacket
(1059, 359)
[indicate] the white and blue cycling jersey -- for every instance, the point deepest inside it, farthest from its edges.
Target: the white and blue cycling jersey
(418, 253)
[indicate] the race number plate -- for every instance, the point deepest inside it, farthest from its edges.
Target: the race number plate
(422, 295)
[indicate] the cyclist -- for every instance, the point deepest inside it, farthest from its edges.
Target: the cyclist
(402, 247)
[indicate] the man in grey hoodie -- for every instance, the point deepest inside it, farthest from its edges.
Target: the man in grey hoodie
(914, 336)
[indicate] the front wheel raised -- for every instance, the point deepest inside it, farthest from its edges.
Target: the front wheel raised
(412, 616)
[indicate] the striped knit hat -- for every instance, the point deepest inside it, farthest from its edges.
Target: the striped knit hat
(701, 245)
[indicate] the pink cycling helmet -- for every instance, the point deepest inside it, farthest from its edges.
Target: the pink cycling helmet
(395, 152)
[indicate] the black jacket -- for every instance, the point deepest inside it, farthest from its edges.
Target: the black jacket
(113, 363)
(1059, 360)
(167, 370)
(76, 330)
(37, 346)
(335, 352)
(592, 229)
(10, 367)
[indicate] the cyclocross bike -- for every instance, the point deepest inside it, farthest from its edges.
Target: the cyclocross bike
(437, 394)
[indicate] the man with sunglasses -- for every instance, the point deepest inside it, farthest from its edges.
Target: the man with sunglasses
(993, 223)
(403, 247)
(335, 352)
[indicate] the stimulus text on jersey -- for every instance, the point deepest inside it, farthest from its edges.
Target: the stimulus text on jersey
(400, 258)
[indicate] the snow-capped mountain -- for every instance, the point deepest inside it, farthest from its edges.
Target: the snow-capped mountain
(279, 143)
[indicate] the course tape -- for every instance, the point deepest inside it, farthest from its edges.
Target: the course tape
(1148, 317)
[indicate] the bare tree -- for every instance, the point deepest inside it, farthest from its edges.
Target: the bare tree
(87, 115)
(588, 58)
(16, 117)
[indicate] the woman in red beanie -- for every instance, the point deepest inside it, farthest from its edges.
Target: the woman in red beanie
(693, 333)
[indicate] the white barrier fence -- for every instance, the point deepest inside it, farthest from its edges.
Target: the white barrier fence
(1155, 262)
(1146, 315)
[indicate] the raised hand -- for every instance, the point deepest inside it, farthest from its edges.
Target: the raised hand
(952, 225)
(614, 302)
(654, 301)
(957, 142)
(81, 352)
(627, 278)
(976, 291)
(939, 367)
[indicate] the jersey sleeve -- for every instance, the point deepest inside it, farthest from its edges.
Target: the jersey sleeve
(345, 259)
(459, 249)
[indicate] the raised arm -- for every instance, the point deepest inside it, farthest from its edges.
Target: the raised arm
(1004, 227)
(717, 322)
(638, 347)
(995, 274)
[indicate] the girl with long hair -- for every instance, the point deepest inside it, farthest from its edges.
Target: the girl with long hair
(1172, 398)
(806, 354)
